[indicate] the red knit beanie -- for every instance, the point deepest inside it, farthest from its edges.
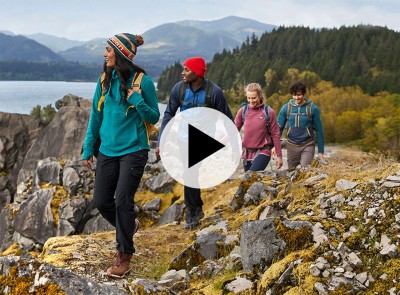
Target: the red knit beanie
(197, 65)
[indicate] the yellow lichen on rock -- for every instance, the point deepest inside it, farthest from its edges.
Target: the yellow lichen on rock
(19, 285)
(13, 249)
(59, 196)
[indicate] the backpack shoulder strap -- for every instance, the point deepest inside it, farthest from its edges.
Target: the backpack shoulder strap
(288, 110)
(308, 111)
(137, 80)
(266, 112)
(209, 92)
(101, 100)
(244, 112)
(182, 90)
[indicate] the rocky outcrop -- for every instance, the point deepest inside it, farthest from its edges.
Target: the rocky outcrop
(61, 138)
(17, 133)
(24, 141)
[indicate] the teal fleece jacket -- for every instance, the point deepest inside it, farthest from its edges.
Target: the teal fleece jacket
(121, 126)
(299, 126)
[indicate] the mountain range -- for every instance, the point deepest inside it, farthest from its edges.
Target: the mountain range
(164, 44)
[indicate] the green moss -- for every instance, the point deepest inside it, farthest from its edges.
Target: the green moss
(303, 197)
(187, 260)
(298, 239)
(343, 289)
(224, 277)
(272, 274)
(224, 250)
(242, 189)
(156, 270)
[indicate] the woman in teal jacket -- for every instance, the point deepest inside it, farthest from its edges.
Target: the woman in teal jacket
(118, 118)
(303, 124)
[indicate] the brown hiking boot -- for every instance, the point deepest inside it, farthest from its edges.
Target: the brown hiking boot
(121, 267)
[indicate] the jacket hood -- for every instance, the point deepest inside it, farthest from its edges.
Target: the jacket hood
(294, 104)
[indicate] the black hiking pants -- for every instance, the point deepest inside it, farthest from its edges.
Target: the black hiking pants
(192, 199)
(116, 182)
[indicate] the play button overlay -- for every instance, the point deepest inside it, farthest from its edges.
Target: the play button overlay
(200, 147)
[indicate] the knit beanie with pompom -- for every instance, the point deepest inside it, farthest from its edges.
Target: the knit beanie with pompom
(126, 44)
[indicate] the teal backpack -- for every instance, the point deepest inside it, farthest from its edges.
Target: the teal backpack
(308, 112)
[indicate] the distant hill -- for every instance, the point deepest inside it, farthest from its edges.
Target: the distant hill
(22, 58)
(56, 44)
(25, 49)
(237, 28)
(164, 45)
(90, 52)
(171, 42)
(7, 32)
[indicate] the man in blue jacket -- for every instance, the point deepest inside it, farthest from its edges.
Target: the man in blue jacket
(193, 91)
(304, 123)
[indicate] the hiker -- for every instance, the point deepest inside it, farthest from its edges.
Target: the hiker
(193, 91)
(118, 116)
(261, 131)
(304, 122)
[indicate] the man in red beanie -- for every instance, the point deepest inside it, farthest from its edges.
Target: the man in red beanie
(197, 65)
(193, 91)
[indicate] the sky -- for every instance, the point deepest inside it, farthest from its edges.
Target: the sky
(84, 20)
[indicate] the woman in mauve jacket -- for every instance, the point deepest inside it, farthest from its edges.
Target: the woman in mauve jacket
(261, 134)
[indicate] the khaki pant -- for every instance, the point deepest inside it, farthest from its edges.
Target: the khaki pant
(299, 154)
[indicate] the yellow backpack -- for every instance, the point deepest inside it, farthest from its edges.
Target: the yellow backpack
(136, 82)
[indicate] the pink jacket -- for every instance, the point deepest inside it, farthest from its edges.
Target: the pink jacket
(255, 133)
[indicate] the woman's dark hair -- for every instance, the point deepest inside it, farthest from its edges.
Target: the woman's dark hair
(124, 70)
(297, 87)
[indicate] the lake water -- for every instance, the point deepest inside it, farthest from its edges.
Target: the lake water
(22, 96)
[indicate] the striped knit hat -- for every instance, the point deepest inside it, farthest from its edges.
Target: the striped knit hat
(126, 44)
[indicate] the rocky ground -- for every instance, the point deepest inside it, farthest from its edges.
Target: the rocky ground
(327, 229)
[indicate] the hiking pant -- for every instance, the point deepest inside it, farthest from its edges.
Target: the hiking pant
(299, 154)
(116, 182)
(259, 163)
(192, 199)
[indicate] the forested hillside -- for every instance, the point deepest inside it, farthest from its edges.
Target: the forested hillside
(352, 73)
(367, 56)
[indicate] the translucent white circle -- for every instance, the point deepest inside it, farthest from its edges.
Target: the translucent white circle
(214, 168)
